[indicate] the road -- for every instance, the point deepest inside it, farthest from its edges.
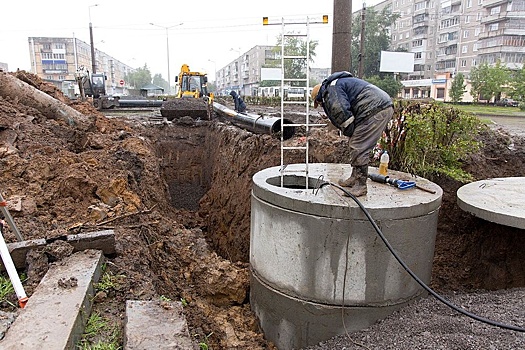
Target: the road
(513, 125)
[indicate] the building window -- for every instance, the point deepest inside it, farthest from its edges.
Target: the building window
(493, 27)
(417, 43)
(464, 49)
(495, 10)
(478, 18)
(47, 46)
(417, 55)
(394, 37)
(407, 34)
(463, 63)
(467, 19)
(59, 46)
(480, 2)
(469, 4)
(465, 34)
(477, 31)
(474, 62)
(475, 47)
(440, 93)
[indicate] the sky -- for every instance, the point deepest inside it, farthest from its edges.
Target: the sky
(206, 34)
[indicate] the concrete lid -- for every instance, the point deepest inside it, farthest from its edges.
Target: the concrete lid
(499, 200)
(382, 201)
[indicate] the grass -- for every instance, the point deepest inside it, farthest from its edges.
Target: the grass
(480, 109)
(97, 325)
(6, 289)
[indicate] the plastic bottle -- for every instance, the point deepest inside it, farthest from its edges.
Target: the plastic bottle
(383, 163)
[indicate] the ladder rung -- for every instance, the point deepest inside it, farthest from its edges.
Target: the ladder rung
(294, 147)
(295, 102)
(294, 171)
(296, 35)
(295, 57)
(295, 79)
(314, 125)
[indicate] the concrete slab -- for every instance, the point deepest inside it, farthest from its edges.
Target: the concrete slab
(99, 240)
(499, 200)
(56, 313)
(156, 325)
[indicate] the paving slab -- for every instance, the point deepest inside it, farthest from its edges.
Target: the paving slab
(56, 313)
(156, 325)
(498, 200)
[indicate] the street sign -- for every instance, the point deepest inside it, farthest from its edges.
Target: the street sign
(121, 82)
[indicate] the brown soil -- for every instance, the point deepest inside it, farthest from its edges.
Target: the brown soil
(177, 195)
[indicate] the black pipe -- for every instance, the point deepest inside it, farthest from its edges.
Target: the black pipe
(257, 124)
(140, 103)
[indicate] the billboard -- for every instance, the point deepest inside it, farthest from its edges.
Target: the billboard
(397, 62)
(270, 74)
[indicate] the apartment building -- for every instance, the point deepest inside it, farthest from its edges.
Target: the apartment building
(56, 59)
(244, 73)
(452, 36)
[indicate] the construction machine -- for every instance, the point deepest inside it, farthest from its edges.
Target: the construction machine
(192, 97)
(94, 86)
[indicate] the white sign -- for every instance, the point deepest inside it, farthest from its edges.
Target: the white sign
(397, 62)
(270, 74)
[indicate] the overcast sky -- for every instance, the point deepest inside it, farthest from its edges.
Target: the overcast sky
(212, 34)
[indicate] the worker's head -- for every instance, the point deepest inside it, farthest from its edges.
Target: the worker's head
(315, 91)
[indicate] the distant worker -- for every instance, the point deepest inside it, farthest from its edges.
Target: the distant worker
(361, 111)
(240, 106)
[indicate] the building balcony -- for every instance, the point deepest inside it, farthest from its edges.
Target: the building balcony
(423, 23)
(492, 3)
(494, 18)
(500, 32)
(501, 48)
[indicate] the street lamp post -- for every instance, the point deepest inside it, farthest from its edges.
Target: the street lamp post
(93, 59)
(168, 50)
(240, 68)
(215, 72)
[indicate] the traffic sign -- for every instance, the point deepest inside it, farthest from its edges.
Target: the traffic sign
(121, 82)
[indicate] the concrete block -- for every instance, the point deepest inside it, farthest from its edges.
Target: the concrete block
(101, 240)
(55, 315)
(156, 325)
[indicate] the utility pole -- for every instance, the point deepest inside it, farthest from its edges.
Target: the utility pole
(362, 44)
(342, 36)
(93, 58)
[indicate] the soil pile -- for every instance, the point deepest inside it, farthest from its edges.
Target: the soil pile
(177, 195)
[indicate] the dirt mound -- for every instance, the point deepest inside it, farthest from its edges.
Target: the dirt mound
(177, 196)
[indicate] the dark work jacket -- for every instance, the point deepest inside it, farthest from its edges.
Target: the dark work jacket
(240, 106)
(347, 101)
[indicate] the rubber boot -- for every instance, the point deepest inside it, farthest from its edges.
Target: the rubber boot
(350, 181)
(359, 188)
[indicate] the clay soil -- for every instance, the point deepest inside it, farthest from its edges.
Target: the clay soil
(177, 196)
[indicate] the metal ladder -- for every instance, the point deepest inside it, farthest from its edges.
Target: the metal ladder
(305, 102)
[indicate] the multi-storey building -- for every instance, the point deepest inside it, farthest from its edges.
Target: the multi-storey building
(453, 36)
(56, 60)
(3, 67)
(244, 73)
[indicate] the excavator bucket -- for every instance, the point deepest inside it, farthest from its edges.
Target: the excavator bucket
(195, 108)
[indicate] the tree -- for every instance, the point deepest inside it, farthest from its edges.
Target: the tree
(517, 85)
(489, 82)
(160, 81)
(458, 88)
(296, 68)
(377, 39)
(140, 77)
(388, 84)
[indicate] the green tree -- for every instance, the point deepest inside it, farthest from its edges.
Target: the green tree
(160, 81)
(388, 84)
(140, 77)
(296, 68)
(517, 85)
(489, 82)
(377, 39)
(458, 88)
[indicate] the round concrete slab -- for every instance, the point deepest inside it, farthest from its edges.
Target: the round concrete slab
(499, 200)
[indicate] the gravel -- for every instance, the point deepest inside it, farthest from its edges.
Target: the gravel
(429, 324)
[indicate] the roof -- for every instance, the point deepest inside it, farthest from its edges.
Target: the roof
(150, 87)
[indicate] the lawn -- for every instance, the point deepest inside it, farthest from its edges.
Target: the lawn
(487, 110)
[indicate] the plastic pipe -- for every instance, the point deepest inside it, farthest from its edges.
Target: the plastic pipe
(11, 271)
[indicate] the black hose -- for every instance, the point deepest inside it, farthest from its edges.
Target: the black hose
(413, 275)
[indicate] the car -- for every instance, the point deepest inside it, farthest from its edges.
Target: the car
(507, 102)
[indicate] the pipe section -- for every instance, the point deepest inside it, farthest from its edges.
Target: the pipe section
(257, 124)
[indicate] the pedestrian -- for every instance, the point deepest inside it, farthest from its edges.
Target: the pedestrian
(361, 111)
(240, 106)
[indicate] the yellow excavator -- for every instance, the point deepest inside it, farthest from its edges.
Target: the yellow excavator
(192, 97)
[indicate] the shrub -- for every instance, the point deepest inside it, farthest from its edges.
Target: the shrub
(428, 139)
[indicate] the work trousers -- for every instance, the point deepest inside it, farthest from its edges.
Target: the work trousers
(366, 135)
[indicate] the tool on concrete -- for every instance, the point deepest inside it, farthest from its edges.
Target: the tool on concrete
(402, 185)
(9, 218)
(11, 270)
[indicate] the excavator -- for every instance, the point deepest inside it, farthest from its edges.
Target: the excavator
(192, 97)
(94, 86)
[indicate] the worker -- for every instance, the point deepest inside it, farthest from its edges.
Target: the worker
(240, 106)
(361, 111)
